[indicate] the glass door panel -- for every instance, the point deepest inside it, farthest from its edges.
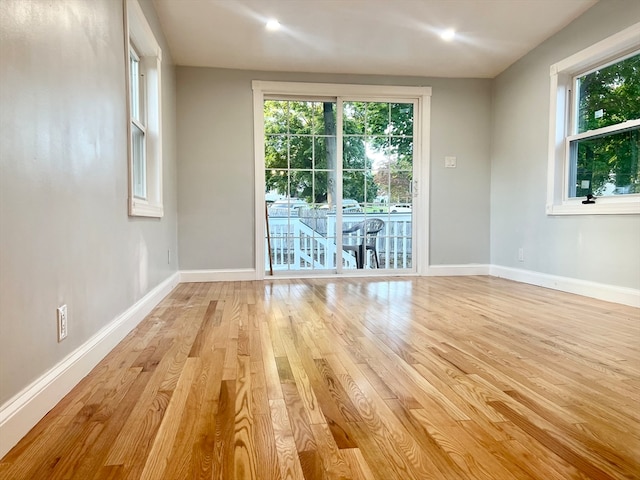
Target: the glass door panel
(378, 174)
(300, 173)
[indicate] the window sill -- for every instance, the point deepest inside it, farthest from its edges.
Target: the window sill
(603, 206)
(143, 209)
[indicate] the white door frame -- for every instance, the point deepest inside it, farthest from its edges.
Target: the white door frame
(371, 93)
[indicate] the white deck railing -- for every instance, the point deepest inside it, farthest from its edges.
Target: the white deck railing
(308, 242)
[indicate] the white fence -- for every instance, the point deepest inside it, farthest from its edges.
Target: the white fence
(308, 241)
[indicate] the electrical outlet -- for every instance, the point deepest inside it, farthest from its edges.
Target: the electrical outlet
(521, 254)
(62, 323)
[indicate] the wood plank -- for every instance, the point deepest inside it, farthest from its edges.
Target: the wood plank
(163, 443)
(333, 464)
(224, 432)
(359, 467)
(553, 444)
(192, 453)
(290, 468)
(268, 467)
(274, 391)
(205, 329)
(299, 419)
(244, 455)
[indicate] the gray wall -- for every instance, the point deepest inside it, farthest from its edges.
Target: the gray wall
(65, 234)
(588, 247)
(216, 168)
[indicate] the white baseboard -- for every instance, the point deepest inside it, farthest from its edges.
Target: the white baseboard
(457, 270)
(601, 291)
(610, 293)
(20, 413)
(187, 276)
(235, 275)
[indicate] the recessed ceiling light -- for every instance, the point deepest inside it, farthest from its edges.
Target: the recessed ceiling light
(448, 34)
(273, 25)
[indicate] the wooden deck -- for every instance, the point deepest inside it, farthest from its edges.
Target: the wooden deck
(389, 379)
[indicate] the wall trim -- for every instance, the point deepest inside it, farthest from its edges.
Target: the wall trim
(234, 275)
(609, 293)
(457, 270)
(601, 291)
(21, 412)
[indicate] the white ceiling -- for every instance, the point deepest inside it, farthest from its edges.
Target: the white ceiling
(390, 37)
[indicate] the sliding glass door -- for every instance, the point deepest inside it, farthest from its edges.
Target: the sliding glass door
(339, 183)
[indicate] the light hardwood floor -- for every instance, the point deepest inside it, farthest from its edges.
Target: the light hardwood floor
(390, 379)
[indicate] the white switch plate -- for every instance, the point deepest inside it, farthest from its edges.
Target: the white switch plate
(450, 162)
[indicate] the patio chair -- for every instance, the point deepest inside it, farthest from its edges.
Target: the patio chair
(369, 230)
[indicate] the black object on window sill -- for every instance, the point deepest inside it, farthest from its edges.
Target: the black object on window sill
(590, 199)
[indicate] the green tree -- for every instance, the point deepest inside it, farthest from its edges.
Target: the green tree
(609, 96)
(300, 149)
(388, 129)
(300, 152)
(296, 142)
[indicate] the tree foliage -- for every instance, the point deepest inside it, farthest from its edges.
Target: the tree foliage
(300, 149)
(609, 96)
(388, 132)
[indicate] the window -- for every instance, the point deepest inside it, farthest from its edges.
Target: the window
(138, 129)
(145, 147)
(594, 139)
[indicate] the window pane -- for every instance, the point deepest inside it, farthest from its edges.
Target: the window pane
(378, 152)
(324, 121)
(354, 153)
(382, 181)
(401, 119)
(609, 95)
(276, 151)
(301, 184)
(402, 153)
(300, 152)
(606, 165)
(324, 153)
(276, 116)
(377, 118)
(139, 163)
(134, 81)
(300, 117)
(401, 192)
(359, 186)
(320, 184)
(354, 117)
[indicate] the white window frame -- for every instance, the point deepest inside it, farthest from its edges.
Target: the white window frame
(140, 39)
(561, 129)
(422, 118)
